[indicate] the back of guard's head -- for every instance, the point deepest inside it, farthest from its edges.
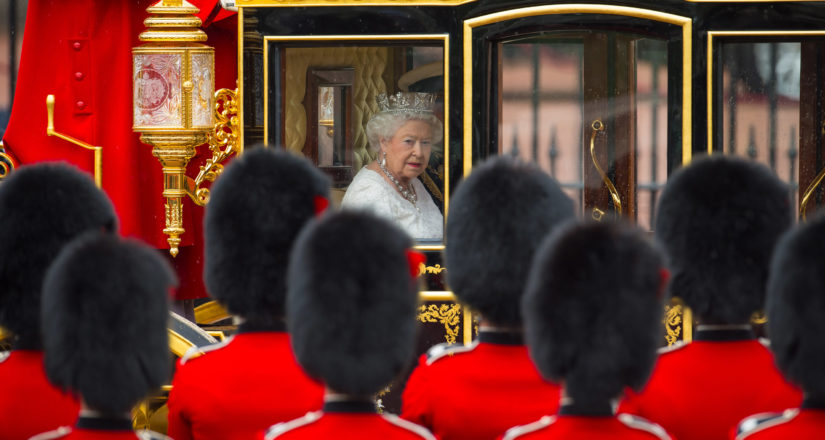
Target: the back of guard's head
(593, 307)
(718, 220)
(352, 302)
(796, 306)
(256, 210)
(496, 216)
(105, 315)
(43, 207)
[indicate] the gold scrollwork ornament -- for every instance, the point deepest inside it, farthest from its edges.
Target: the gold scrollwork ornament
(673, 323)
(422, 269)
(447, 314)
(6, 164)
(223, 142)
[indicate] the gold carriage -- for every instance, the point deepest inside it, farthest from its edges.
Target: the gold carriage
(609, 97)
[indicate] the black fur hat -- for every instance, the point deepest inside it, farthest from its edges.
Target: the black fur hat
(257, 208)
(496, 219)
(42, 207)
(718, 220)
(351, 302)
(105, 314)
(796, 306)
(593, 308)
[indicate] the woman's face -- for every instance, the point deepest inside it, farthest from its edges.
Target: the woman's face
(408, 151)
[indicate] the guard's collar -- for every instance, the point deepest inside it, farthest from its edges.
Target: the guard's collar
(339, 403)
(813, 402)
(723, 332)
(103, 422)
(256, 327)
(501, 336)
(602, 409)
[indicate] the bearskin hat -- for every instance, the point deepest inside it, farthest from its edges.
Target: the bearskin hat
(256, 210)
(718, 220)
(105, 314)
(43, 207)
(351, 302)
(593, 308)
(496, 219)
(796, 305)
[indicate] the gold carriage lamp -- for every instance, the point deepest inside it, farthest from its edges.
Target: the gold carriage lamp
(173, 77)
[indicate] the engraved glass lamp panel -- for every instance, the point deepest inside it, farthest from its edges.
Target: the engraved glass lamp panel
(173, 90)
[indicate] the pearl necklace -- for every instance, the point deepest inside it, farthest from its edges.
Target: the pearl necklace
(408, 192)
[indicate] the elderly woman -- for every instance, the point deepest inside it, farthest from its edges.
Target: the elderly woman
(402, 134)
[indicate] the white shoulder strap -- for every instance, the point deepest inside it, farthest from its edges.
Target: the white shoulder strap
(276, 430)
(440, 351)
(518, 431)
(641, 424)
(57, 433)
(409, 426)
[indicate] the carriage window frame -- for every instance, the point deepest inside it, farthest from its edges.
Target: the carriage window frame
(412, 40)
(470, 25)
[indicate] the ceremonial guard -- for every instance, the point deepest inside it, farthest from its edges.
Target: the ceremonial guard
(592, 317)
(351, 310)
(496, 219)
(236, 389)
(105, 310)
(719, 245)
(43, 207)
(795, 307)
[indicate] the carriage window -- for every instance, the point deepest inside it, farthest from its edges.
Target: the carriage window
(329, 106)
(562, 91)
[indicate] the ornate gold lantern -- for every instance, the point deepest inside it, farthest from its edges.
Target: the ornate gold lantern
(173, 76)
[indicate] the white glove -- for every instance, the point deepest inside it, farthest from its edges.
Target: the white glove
(229, 5)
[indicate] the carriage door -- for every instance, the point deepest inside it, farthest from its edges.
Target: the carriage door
(591, 94)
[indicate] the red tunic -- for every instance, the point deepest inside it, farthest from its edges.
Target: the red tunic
(29, 404)
(239, 388)
(477, 392)
(91, 428)
(80, 51)
(701, 390)
(796, 423)
(623, 427)
(348, 421)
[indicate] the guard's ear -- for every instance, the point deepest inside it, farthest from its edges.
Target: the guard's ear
(321, 204)
(664, 278)
(415, 260)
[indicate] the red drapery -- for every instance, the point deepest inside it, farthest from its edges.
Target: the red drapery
(80, 52)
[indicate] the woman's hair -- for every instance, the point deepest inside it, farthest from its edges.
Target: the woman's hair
(383, 125)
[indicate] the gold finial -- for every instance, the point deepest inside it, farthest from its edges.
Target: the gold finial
(172, 21)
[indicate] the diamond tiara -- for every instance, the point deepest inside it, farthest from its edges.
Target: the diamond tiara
(406, 102)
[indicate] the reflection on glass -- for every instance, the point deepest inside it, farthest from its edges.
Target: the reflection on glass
(761, 105)
(651, 126)
(332, 149)
(553, 86)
